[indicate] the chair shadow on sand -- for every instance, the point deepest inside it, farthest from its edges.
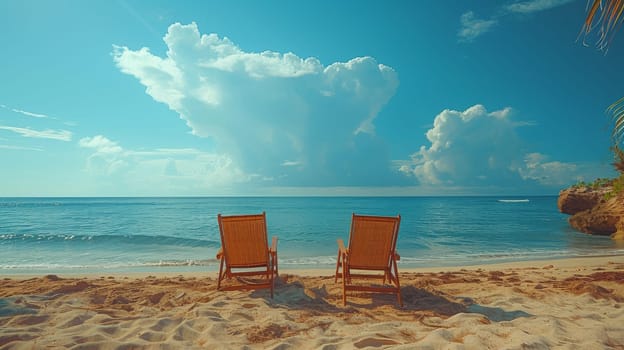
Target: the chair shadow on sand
(294, 295)
(423, 300)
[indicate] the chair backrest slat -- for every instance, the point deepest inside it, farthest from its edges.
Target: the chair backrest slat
(372, 240)
(244, 240)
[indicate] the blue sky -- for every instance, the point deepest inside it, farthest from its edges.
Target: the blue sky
(166, 98)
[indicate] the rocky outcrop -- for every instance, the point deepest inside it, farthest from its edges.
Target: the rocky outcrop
(600, 220)
(591, 212)
(577, 199)
(619, 233)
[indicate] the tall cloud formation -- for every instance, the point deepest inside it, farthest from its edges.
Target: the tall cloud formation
(280, 118)
(480, 149)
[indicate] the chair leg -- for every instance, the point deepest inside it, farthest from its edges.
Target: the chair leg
(337, 267)
(345, 275)
(220, 275)
(344, 292)
(398, 284)
(271, 280)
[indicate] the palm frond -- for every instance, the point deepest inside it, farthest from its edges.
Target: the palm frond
(616, 110)
(607, 15)
(619, 159)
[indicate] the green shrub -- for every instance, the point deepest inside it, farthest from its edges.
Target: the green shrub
(579, 184)
(601, 182)
(596, 184)
(616, 184)
(617, 187)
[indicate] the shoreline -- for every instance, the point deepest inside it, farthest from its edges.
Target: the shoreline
(587, 261)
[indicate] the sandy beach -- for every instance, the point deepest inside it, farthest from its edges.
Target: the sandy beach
(558, 304)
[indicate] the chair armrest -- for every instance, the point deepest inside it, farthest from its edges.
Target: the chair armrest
(273, 248)
(341, 247)
(397, 257)
(220, 253)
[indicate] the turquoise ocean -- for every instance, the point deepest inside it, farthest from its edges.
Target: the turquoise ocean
(119, 235)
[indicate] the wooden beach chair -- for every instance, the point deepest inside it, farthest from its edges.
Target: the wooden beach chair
(371, 254)
(245, 254)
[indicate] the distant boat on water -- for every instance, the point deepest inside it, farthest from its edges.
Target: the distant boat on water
(513, 200)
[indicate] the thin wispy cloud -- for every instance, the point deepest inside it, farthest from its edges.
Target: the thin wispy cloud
(291, 163)
(138, 16)
(61, 135)
(160, 152)
(26, 113)
(472, 27)
(19, 148)
(535, 5)
(30, 114)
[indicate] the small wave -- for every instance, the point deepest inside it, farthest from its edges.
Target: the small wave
(112, 265)
(105, 239)
(34, 202)
(308, 260)
(513, 200)
(190, 262)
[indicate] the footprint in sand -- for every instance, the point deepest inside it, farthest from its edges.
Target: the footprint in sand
(374, 342)
(109, 330)
(212, 315)
(165, 324)
(185, 333)
(6, 339)
(78, 320)
(28, 320)
(96, 338)
(240, 316)
(153, 336)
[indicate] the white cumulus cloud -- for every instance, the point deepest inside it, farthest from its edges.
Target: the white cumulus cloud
(269, 109)
(551, 173)
(183, 171)
(468, 148)
(108, 158)
(477, 148)
(101, 144)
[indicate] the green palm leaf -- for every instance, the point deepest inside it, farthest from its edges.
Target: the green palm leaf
(616, 110)
(619, 158)
(607, 15)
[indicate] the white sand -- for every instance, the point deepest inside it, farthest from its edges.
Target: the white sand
(558, 304)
